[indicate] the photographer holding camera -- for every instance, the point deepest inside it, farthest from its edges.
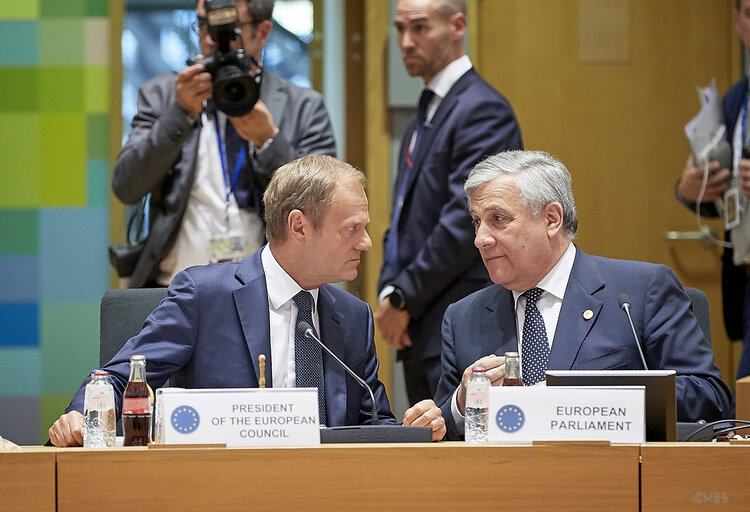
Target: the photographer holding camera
(205, 149)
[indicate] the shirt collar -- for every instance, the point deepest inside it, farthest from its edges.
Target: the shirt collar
(280, 285)
(556, 280)
(449, 75)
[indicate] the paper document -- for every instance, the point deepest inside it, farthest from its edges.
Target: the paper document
(707, 127)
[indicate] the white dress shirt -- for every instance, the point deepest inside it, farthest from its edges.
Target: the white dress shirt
(282, 315)
(206, 210)
(549, 305)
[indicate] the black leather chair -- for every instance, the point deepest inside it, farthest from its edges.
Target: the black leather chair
(700, 310)
(122, 314)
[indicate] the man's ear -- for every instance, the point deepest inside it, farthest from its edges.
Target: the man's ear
(297, 225)
(553, 215)
(263, 31)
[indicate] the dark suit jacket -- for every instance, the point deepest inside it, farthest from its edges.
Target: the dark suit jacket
(485, 323)
(160, 155)
(213, 324)
(437, 261)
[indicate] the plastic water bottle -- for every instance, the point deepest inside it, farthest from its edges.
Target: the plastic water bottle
(477, 406)
(99, 412)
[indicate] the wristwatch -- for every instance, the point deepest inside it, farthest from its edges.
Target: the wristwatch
(397, 300)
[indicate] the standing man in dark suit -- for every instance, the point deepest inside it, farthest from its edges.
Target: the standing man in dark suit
(734, 282)
(206, 197)
(558, 306)
(429, 261)
(217, 319)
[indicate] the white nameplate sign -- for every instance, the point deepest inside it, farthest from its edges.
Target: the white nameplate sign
(588, 413)
(238, 417)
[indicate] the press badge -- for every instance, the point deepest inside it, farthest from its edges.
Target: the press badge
(227, 248)
(731, 208)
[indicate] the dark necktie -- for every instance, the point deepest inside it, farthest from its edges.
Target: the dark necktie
(534, 348)
(424, 101)
(390, 255)
(241, 186)
(308, 356)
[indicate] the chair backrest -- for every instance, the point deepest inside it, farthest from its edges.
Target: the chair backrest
(123, 312)
(700, 310)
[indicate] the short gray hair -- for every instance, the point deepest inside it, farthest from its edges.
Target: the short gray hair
(307, 184)
(541, 179)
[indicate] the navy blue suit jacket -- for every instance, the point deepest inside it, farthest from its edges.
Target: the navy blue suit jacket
(213, 324)
(437, 261)
(485, 323)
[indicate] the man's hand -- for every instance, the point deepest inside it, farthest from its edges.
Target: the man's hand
(424, 414)
(495, 366)
(745, 176)
(257, 126)
(193, 86)
(717, 183)
(392, 324)
(6, 444)
(67, 430)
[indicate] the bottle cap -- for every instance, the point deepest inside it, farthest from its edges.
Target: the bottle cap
(100, 372)
(479, 369)
(511, 354)
(138, 357)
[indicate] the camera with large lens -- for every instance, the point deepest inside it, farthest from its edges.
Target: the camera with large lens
(236, 88)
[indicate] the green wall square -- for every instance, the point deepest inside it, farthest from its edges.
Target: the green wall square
(18, 89)
(23, 10)
(97, 136)
(16, 365)
(96, 91)
(96, 8)
(19, 232)
(61, 89)
(63, 160)
(63, 9)
(61, 42)
(20, 43)
(52, 407)
(98, 183)
(70, 344)
(96, 41)
(19, 147)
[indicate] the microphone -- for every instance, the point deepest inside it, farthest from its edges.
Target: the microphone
(374, 433)
(306, 330)
(624, 302)
(722, 152)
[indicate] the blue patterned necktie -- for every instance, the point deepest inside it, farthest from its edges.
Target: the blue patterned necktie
(534, 348)
(308, 356)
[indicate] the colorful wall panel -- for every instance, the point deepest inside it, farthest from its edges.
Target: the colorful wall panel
(54, 212)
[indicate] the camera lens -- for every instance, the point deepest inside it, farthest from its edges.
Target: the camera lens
(234, 91)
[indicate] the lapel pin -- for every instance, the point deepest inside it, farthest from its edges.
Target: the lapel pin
(588, 314)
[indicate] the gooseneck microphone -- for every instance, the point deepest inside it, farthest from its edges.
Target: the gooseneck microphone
(624, 302)
(307, 331)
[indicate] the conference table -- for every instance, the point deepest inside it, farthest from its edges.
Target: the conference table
(435, 476)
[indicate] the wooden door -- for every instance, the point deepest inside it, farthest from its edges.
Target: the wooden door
(607, 86)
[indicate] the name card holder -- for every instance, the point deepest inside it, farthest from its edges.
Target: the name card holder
(590, 413)
(238, 417)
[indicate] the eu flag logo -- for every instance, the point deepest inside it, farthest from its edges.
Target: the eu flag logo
(185, 419)
(510, 418)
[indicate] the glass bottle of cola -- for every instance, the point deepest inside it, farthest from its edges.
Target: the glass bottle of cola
(136, 405)
(512, 370)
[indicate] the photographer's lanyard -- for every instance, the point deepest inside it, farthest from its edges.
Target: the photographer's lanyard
(228, 183)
